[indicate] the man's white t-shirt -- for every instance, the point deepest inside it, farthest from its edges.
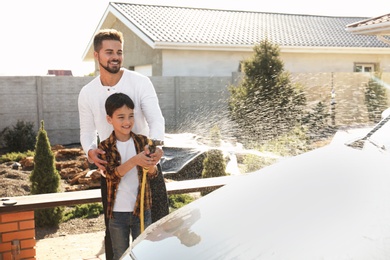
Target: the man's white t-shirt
(148, 119)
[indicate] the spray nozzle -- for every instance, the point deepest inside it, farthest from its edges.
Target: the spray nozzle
(153, 143)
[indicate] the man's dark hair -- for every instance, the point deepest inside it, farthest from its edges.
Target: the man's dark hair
(116, 101)
(106, 34)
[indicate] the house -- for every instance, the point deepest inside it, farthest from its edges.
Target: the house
(183, 41)
(60, 72)
(378, 26)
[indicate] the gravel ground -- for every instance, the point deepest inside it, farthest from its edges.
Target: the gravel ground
(80, 246)
(72, 227)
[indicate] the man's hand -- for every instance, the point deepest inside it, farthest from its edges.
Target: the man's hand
(156, 156)
(93, 155)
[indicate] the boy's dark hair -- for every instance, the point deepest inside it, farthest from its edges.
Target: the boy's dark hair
(106, 34)
(116, 101)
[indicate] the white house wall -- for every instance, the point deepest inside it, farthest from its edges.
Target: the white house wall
(221, 63)
(200, 63)
(314, 63)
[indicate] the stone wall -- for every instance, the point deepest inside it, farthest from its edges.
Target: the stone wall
(189, 104)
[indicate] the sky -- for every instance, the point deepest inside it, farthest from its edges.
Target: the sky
(41, 35)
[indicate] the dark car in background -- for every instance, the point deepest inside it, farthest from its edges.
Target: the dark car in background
(329, 203)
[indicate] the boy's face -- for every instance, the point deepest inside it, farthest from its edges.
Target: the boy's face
(123, 121)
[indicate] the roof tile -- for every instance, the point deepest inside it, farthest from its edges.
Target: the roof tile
(168, 24)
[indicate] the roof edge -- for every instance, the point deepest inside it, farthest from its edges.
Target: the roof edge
(283, 49)
(131, 25)
(84, 57)
(370, 29)
(118, 15)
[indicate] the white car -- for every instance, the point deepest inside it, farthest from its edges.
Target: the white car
(329, 203)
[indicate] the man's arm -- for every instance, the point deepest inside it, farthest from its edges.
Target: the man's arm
(153, 115)
(152, 112)
(88, 132)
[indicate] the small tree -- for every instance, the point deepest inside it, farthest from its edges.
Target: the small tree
(317, 123)
(266, 104)
(215, 136)
(375, 99)
(44, 179)
(20, 138)
(214, 165)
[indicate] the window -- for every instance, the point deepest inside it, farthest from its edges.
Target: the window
(364, 67)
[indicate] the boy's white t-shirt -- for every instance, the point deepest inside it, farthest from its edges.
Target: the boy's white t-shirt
(128, 186)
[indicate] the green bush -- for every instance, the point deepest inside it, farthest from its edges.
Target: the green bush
(215, 136)
(290, 144)
(317, 123)
(375, 98)
(50, 217)
(44, 179)
(91, 210)
(15, 156)
(19, 138)
(177, 201)
(214, 165)
(254, 162)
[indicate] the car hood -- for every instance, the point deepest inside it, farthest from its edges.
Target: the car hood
(330, 203)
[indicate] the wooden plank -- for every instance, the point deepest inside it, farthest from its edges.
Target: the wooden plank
(50, 200)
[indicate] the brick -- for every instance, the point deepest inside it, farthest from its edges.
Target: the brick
(27, 243)
(5, 247)
(29, 224)
(7, 256)
(27, 253)
(8, 227)
(24, 234)
(12, 217)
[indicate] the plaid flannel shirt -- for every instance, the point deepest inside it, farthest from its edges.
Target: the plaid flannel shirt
(113, 159)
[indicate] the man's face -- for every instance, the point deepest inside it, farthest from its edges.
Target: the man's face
(110, 56)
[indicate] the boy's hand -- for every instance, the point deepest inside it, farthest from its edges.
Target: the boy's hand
(93, 155)
(156, 156)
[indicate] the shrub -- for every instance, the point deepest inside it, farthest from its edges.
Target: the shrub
(317, 123)
(20, 138)
(91, 210)
(44, 179)
(177, 201)
(214, 165)
(290, 144)
(215, 136)
(254, 162)
(15, 156)
(375, 99)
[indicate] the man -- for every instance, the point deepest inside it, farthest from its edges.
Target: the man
(108, 52)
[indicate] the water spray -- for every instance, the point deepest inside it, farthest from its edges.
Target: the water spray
(152, 143)
(360, 142)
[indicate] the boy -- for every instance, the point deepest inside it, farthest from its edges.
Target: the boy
(125, 162)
